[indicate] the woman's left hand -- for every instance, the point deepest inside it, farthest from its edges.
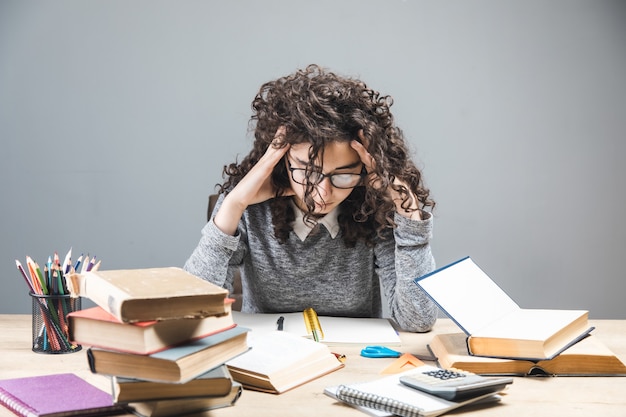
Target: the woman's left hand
(369, 162)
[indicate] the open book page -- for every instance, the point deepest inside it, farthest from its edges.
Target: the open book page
(271, 353)
(337, 330)
(533, 324)
(467, 295)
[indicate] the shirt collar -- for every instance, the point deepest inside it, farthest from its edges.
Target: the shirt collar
(303, 229)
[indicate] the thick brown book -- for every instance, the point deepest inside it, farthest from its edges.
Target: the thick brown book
(96, 327)
(178, 364)
(215, 383)
(493, 323)
(134, 295)
(279, 361)
(189, 407)
(588, 357)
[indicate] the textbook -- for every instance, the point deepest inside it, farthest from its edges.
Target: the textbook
(588, 357)
(387, 396)
(188, 406)
(96, 327)
(55, 395)
(279, 361)
(337, 331)
(134, 295)
(494, 324)
(214, 383)
(178, 364)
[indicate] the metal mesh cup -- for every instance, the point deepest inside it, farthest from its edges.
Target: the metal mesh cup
(50, 325)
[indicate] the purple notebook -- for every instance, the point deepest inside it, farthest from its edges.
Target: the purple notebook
(55, 395)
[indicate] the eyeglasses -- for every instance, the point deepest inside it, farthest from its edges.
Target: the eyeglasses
(343, 181)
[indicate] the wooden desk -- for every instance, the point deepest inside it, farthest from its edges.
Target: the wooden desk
(562, 396)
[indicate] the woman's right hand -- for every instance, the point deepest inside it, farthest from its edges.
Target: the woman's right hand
(255, 187)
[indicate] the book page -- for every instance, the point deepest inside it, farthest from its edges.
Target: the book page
(274, 351)
(337, 330)
(467, 295)
(531, 324)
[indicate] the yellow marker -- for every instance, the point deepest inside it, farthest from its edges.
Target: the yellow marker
(312, 323)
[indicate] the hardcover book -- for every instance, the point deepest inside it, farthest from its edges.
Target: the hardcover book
(298, 361)
(589, 357)
(214, 383)
(178, 364)
(56, 395)
(494, 324)
(96, 327)
(133, 295)
(188, 407)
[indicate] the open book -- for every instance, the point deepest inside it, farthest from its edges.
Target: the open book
(494, 324)
(387, 396)
(279, 361)
(589, 357)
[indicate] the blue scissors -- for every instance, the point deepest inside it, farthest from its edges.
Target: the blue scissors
(379, 352)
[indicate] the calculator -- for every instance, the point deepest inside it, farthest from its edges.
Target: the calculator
(454, 384)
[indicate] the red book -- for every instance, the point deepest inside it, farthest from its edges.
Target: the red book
(55, 395)
(96, 327)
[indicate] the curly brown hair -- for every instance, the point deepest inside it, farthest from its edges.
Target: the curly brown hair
(317, 106)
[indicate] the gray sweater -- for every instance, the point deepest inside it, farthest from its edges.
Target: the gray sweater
(321, 272)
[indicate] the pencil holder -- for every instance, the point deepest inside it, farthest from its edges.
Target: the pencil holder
(50, 325)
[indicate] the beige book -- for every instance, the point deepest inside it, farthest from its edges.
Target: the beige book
(494, 324)
(588, 357)
(189, 407)
(134, 295)
(279, 361)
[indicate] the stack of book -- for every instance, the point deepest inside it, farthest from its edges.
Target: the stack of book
(162, 335)
(500, 338)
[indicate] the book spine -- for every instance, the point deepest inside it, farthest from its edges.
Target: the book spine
(365, 399)
(15, 405)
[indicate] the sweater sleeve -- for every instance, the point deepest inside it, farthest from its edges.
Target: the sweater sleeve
(399, 261)
(213, 255)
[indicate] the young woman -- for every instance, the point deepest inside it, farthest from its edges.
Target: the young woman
(325, 210)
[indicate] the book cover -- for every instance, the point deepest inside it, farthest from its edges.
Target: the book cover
(216, 383)
(494, 324)
(188, 407)
(387, 396)
(279, 361)
(55, 395)
(96, 327)
(588, 357)
(134, 295)
(178, 364)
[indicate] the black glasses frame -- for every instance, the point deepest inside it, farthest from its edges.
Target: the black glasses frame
(321, 177)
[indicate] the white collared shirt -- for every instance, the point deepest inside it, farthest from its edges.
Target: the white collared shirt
(303, 229)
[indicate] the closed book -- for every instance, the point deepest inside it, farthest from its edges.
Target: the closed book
(214, 383)
(279, 361)
(178, 364)
(387, 396)
(189, 407)
(494, 324)
(55, 395)
(588, 357)
(96, 327)
(133, 295)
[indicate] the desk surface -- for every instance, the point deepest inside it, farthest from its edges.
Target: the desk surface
(570, 396)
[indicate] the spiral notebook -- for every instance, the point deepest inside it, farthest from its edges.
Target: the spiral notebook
(386, 396)
(56, 395)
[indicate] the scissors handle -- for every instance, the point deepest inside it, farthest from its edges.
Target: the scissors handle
(379, 352)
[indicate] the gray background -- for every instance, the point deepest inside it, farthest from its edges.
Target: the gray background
(116, 118)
